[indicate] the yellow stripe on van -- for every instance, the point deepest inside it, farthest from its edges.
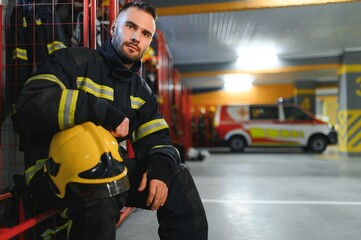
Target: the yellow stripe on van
(275, 133)
(257, 132)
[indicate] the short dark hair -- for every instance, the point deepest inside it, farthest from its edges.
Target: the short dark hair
(144, 6)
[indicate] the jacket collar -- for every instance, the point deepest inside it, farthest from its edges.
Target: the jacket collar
(114, 62)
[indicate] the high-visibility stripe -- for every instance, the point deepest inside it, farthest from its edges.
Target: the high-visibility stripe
(275, 133)
(25, 23)
(20, 53)
(72, 108)
(56, 45)
(62, 105)
(66, 112)
(38, 22)
(95, 89)
(162, 146)
(31, 171)
(48, 77)
(64, 213)
(136, 102)
(49, 233)
(70, 224)
(149, 128)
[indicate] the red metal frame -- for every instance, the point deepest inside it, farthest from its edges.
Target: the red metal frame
(183, 112)
(174, 102)
(18, 230)
(1, 63)
(124, 213)
(165, 79)
(86, 23)
(5, 196)
(23, 226)
(93, 25)
(113, 11)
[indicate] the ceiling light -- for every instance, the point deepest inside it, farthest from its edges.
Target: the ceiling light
(257, 58)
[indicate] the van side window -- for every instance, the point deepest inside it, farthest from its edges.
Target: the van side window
(264, 112)
(293, 113)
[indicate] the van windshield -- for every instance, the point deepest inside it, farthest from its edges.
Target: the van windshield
(293, 113)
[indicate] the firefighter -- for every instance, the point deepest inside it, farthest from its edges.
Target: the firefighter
(78, 85)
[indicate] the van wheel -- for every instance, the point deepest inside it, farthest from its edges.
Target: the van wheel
(317, 144)
(237, 143)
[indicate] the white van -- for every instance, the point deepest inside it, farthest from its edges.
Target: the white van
(277, 125)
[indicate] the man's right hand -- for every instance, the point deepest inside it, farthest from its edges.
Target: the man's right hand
(122, 130)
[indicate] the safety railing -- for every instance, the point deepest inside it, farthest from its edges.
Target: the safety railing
(26, 224)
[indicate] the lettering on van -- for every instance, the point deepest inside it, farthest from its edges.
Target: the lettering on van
(275, 133)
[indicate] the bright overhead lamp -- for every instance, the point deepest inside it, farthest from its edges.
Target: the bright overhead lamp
(257, 58)
(237, 82)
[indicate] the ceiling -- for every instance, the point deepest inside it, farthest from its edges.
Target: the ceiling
(307, 36)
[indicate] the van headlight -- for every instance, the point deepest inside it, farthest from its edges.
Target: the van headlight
(331, 127)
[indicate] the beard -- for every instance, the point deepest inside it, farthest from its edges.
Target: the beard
(127, 55)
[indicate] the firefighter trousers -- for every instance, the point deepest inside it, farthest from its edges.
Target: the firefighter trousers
(181, 218)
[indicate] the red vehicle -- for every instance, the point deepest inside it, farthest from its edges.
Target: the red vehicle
(276, 125)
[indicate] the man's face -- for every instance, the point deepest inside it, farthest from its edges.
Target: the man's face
(132, 34)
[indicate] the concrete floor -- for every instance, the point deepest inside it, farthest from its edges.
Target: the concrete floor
(271, 195)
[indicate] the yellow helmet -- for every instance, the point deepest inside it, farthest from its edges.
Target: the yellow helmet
(86, 159)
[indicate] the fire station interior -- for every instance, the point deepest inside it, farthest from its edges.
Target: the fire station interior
(262, 99)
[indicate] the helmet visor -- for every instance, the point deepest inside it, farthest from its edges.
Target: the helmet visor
(101, 190)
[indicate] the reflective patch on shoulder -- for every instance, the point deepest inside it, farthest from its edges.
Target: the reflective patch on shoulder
(136, 102)
(88, 85)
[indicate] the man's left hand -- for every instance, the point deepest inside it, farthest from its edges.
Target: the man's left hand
(158, 192)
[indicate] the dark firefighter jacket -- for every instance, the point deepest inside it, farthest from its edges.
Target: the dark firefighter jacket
(77, 85)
